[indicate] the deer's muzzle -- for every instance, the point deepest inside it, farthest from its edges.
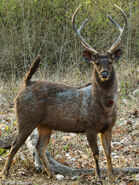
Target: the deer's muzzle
(104, 74)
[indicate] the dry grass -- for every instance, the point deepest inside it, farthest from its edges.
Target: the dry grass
(128, 79)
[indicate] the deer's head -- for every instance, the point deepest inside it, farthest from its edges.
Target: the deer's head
(102, 63)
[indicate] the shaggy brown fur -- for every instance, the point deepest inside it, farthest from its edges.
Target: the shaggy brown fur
(46, 106)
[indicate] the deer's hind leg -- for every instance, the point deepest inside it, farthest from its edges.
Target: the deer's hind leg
(21, 137)
(44, 137)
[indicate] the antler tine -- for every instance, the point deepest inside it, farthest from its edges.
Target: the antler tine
(79, 30)
(84, 43)
(115, 23)
(122, 30)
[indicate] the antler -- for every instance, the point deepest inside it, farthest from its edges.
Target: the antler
(84, 43)
(122, 30)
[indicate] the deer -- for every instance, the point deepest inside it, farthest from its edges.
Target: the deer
(90, 109)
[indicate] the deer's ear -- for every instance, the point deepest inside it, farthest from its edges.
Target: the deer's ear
(87, 56)
(117, 54)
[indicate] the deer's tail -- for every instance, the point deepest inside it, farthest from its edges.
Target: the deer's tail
(32, 70)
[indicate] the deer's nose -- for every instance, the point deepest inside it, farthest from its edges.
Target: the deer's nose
(104, 74)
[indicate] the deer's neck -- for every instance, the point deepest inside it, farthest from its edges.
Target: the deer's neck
(105, 92)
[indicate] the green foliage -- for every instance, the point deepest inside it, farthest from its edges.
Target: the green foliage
(2, 151)
(66, 147)
(44, 26)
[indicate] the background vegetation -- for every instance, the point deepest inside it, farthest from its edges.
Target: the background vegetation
(44, 26)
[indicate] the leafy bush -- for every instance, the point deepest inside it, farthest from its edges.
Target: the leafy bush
(44, 26)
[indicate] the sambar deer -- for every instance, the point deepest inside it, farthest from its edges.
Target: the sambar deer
(90, 109)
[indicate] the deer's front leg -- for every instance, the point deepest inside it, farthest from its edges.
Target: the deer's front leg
(92, 140)
(106, 143)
